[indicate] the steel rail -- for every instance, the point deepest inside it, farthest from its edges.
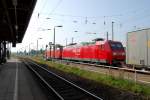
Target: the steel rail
(42, 79)
(72, 84)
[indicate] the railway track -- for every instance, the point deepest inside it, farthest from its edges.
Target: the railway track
(61, 88)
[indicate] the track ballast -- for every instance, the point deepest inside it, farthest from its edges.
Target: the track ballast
(62, 88)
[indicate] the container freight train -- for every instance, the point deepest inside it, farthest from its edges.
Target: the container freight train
(100, 51)
(138, 48)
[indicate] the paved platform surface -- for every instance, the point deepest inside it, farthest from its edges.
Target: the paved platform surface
(18, 83)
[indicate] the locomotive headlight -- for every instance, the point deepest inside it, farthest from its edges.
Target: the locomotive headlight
(123, 53)
(114, 53)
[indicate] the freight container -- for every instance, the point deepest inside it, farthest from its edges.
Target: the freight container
(138, 48)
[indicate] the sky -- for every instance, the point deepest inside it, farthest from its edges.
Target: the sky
(83, 20)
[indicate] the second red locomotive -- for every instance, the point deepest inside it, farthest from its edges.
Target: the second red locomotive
(100, 51)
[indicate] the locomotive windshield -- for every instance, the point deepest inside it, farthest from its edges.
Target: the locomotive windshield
(116, 46)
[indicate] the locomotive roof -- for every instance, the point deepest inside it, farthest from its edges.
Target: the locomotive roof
(98, 39)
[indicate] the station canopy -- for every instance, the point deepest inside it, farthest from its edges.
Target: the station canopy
(14, 19)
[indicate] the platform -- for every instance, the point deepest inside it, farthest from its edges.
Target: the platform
(18, 83)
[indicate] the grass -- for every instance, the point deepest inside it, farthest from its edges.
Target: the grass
(101, 78)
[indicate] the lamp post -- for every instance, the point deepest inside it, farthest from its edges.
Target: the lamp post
(72, 39)
(29, 48)
(66, 42)
(50, 43)
(26, 47)
(54, 40)
(46, 52)
(37, 45)
(46, 30)
(112, 31)
(107, 36)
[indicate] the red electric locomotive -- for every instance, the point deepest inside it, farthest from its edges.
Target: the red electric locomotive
(110, 52)
(100, 51)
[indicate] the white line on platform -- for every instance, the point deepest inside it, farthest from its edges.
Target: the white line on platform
(16, 83)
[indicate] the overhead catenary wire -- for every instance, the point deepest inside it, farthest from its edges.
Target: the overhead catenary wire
(97, 17)
(58, 3)
(88, 19)
(45, 2)
(121, 23)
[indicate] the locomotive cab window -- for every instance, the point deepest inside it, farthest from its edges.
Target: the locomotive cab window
(116, 46)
